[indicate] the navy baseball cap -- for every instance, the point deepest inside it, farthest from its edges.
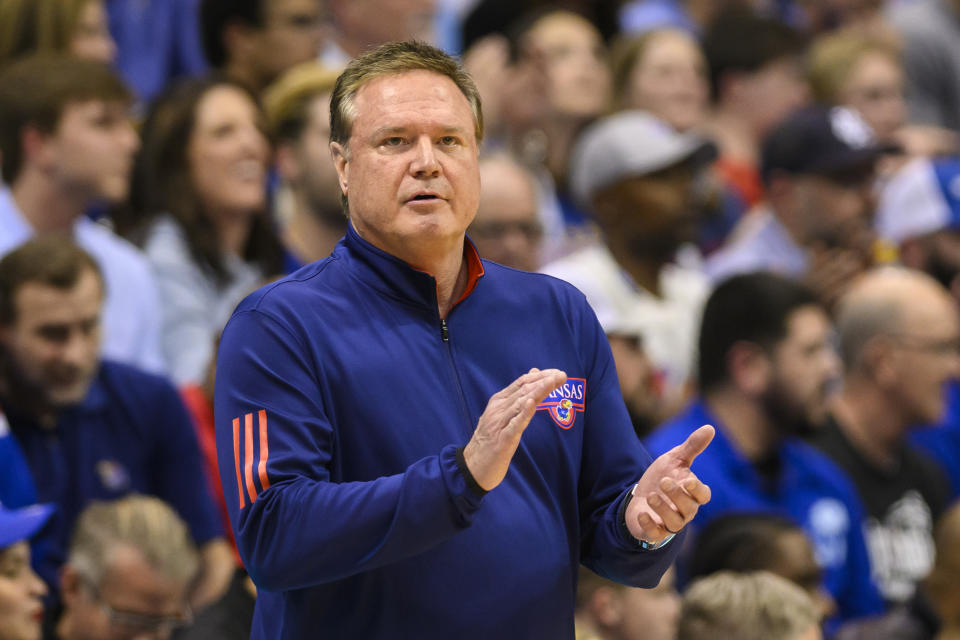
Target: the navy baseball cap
(833, 142)
(22, 524)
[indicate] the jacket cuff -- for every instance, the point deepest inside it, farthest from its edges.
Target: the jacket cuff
(472, 483)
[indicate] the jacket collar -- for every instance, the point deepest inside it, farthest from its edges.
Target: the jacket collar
(396, 279)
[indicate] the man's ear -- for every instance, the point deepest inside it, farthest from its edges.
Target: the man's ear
(749, 367)
(36, 147)
(239, 42)
(341, 162)
(70, 584)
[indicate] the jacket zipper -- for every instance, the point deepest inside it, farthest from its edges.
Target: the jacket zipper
(445, 337)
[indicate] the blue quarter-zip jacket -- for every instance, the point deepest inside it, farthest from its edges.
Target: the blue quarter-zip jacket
(341, 399)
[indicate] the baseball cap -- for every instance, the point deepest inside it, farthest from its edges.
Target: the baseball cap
(922, 197)
(22, 524)
(630, 143)
(828, 141)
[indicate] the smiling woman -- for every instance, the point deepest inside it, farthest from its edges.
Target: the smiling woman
(198, 206)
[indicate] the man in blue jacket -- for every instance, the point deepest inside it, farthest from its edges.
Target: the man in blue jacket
(370, 407)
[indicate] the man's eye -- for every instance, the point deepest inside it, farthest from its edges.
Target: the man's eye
(394, 141)
(449, 141)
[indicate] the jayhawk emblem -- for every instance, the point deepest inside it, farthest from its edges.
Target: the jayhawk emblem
(564, 402)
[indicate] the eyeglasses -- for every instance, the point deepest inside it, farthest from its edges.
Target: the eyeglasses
(946, 346)
(133, 623)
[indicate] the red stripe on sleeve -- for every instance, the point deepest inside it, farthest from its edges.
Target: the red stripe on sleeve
(248, 456)
(236, 457)
(264, 452)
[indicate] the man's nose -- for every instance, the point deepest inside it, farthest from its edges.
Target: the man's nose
(425, 162)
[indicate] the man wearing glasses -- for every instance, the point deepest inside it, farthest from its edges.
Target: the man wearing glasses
(900, 344)
(130, 567)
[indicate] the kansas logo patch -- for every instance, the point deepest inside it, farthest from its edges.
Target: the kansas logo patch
(565, 401)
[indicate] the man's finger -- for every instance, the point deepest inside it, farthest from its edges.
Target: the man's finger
(697, 490)
(694, 445)
(672, 519)
(685, 504)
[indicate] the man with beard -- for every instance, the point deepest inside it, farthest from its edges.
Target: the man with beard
(637, 177)
(765, 367)
(919, 214)
(900, 342)
(308, 198)
(88, 428)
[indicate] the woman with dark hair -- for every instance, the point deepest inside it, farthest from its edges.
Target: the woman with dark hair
(199, 193)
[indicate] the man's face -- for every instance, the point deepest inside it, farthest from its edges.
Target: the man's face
(650, 614)
(654, 213)
(926, 355)
(314, 170)
(90, 154)
(804, 364)
(53, 342)
(293, 32)
(134, 601)
(410, 170)
(507, 229)
(836, 213)
(773, 92)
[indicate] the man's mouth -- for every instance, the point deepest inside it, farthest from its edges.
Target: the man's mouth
(425, 197)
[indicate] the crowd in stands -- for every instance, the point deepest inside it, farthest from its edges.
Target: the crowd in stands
(760, 199)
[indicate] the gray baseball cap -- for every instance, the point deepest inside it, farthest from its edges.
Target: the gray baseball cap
(627, 144)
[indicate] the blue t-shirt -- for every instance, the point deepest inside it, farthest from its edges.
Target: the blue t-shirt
(810, 489)
(130, 434)
(942, 441)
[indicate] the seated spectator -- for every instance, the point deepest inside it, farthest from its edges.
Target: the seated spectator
(919, 214)
(866, 74)
(934, 612)
(755, 606)
(506, 228)
(307, 201)
(360, 25)
(200, 188)
(67, 143)
(765, 365)
(128, 572)
(90, 428)
(74, 27)
(756, 79)
(21, 590)
(637, 177)
(748, 542)
(819, 171)
(664, 73)
(900, 343)
(254, 41)
(607, 610)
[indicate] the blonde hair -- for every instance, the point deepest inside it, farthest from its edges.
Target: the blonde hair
(629, 51)
(286, 102)
(831, 58)
(391, 59)
(746, 606)
(37, 26)
(144, 523)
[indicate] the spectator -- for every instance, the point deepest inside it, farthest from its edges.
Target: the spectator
(637, 176)
(254, 41)
(200, 187)
(756, 79)
(308, 199)
(930, 30)
(67, 144)
(355, 29)
(866, 74)
(506, 228)
(934, 613)
(75, 27)
(900, 343)
(819, 170)
(610, 611)
(91, 428)
(757, 606)
(919, 214)
(21, 590)
(662, 72)
(764, 370)
(130, 567)
(748, 542)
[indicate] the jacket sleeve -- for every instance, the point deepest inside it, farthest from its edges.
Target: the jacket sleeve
(613, 461)
(275, 444)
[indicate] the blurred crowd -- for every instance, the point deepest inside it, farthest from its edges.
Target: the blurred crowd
(760, 199)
